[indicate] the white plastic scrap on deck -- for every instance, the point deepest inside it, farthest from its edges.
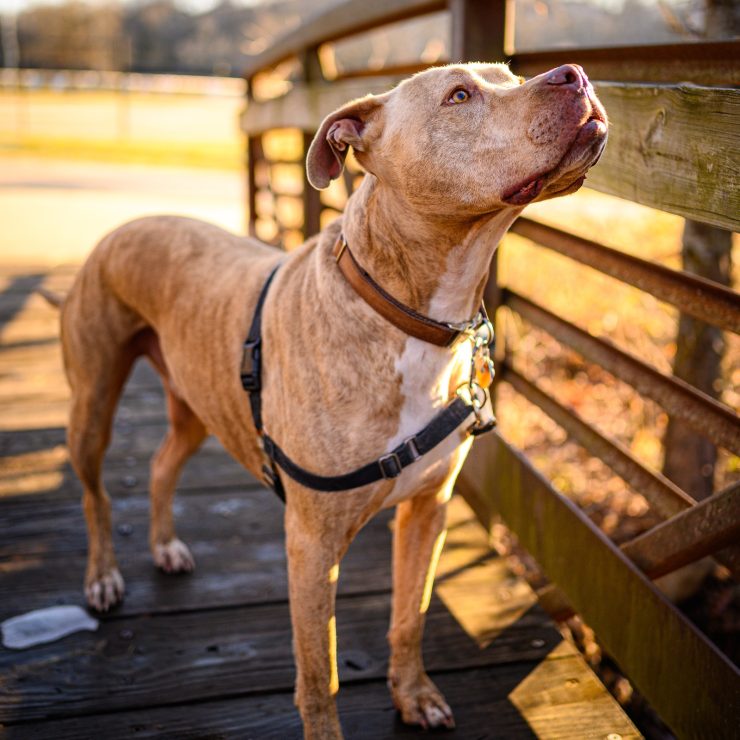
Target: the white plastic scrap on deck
(45, 625)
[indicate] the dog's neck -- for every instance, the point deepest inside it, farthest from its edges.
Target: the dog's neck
(438, 266)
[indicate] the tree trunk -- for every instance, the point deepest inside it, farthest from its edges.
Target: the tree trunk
(690, 457)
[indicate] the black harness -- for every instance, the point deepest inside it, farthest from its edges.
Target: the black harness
(386, 467)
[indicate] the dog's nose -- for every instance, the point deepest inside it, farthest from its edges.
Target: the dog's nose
(568, 75)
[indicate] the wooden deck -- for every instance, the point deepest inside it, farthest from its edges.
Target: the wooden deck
(208, 655)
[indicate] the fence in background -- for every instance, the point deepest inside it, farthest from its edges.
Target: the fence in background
(673, 146)
(12, 79)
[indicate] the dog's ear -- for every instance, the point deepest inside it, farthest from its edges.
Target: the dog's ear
(346, 127)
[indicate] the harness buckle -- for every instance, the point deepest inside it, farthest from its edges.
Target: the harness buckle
(343, 243)
(410, 445)
(393, 461)
(250, 375)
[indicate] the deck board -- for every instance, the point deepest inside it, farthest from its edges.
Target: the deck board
(208, 655)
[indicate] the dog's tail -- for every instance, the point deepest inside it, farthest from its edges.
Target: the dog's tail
(54, 299)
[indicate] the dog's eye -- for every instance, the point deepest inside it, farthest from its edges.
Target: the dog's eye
(459, 96)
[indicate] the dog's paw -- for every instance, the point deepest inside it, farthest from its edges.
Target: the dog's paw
(422, 704)
(173, 557)
(105, 591)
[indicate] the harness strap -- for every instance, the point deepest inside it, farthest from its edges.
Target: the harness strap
(251, 372)
(386, 467)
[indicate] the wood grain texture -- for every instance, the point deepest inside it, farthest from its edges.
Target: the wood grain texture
(235, 536)
(673, 147)
(366, 712)
(703, 63)
(686, 679)
(154, 660)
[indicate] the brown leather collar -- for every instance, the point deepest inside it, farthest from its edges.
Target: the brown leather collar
(406, 319)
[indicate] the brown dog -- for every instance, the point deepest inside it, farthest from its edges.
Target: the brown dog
(452, 156)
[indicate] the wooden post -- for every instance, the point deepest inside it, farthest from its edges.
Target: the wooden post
(479, 31)
(252, 151)
(312, 75)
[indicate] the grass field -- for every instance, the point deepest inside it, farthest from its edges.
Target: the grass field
(150, 128)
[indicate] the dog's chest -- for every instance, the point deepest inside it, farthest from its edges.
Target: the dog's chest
(429, 378)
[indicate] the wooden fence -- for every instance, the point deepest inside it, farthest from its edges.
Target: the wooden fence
(673, 146)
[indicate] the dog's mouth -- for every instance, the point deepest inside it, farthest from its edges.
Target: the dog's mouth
(520, 195)
(590, 133)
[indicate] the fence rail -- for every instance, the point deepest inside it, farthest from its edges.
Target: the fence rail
(672, 146)
(13, 79)
(694, 295)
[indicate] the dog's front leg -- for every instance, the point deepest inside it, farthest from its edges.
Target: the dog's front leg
(313, 569)
(417, 542)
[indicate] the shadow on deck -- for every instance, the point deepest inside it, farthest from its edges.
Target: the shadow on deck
(208, 655)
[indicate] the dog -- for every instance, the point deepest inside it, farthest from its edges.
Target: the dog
(452, 156)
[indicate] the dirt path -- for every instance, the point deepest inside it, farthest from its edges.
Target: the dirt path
(53, 211)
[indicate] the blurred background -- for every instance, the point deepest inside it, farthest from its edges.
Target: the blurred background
(151, 85)
(113, 110)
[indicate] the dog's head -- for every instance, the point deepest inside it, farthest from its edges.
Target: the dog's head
(469, 139)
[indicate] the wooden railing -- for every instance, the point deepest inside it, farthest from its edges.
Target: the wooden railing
(673, 146)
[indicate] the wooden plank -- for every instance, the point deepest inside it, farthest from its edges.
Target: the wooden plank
(704, 414)
(702, 63)
(563, 695)
(693, 534)
(664, 496)
(122, 475)
(44, 525)
(337, 22)
(236, 538)
(36, 461)
(305, 106)
(130, 436)
(132, 663)
(698, 296)
(673, 147)
(649, 638)
(702, 530)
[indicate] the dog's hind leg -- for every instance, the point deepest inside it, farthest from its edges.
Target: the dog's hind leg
(183, 438)
(97, 370)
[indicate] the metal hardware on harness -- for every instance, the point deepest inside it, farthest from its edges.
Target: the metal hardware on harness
(387, 469)
(410, 444)
(482, 337)
(403, 317)
(341, 248)
(251, 361)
